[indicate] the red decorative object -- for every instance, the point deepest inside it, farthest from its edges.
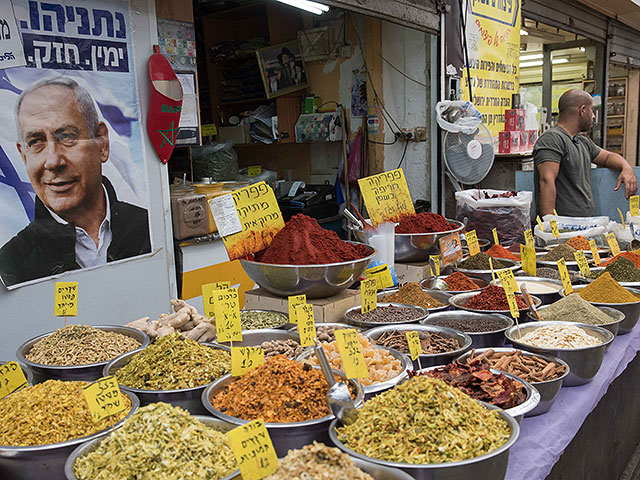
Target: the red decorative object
(165, 105)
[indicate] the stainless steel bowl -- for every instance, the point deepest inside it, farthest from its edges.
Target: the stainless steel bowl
(572, 265)
(366, 324)
(599, 269)
(617, 317)
(427, 284)
(47, 461)
(584, 363)
(460, 301)
(427, 360)
(479, 339)
(285, 436)
(486, 274)
(27, 373)
(285, 326)
(315, 281)
(439, 295)
(546, 298)
(187, 398)
(414, 247)
(374, 389)
(490, 466)
(548, 389)
(631, 310)
(332, 325)
(92, 445)
(254, 338)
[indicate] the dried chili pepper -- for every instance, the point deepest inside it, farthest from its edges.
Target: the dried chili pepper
(493, 297)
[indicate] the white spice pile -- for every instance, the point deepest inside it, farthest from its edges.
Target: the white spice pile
(560, 336)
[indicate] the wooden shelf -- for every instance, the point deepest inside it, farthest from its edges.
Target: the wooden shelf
(615, 116)
(621, 97)
(245, 100)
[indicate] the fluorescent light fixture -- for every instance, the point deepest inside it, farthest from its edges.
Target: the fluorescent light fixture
(523, 32)
(560, 60)
(309, 6)
(537, 63)
(533, 56)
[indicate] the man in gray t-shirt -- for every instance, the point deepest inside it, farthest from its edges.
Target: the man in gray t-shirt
(563, 160)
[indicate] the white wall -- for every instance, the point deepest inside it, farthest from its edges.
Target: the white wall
(113, 294)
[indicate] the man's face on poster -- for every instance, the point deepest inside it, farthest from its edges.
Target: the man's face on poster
(62, 157)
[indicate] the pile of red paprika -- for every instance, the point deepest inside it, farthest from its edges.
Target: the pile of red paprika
(493, 297)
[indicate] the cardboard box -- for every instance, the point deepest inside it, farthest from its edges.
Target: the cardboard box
(514, 119)
(412, 272)
(325, 310)
(239, 134)
(509, 142)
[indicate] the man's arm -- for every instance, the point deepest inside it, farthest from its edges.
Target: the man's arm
(616, 162)
(548, 172)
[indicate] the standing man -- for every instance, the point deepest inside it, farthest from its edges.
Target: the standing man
(563, 161)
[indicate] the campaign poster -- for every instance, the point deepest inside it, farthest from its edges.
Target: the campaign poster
(73, 180)
(493, 43)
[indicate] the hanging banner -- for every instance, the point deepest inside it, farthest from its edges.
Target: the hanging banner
(493, 43)
(73, 181)
(11, 53)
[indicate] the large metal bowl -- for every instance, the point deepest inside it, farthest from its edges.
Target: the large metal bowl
(85, 373)
(315, 281)
(332, 325)
(187, 398)
(427, 360)
(490, 466)
(486, 274)
(285, 436)
(366, 324)
(460, 301)
(631, 310)
(546, 298)
(617, 317)
(548, 389)
(439, 295)
(254, 338)
(572, 265)
(92, 445)
(47, 461)
(479, 339)
(284, 326)
(599, 269)
(584, 363)
(428, 284)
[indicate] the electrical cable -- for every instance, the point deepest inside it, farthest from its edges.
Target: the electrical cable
(463, 19)
(395, 140)
(406, 144)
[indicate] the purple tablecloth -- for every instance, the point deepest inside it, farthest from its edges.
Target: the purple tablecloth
(543, 438)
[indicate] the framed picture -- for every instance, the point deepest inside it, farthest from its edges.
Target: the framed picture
(282, 69)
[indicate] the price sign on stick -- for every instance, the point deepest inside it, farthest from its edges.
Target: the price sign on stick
(594, 252)
(528, 259)
(624, 225)
(472, 242)
(613, 243)
(496, 240)
(450, 248)
(253, 449)
(208, 300)
(306, 324)
(583, 265)
(227, 310)
(104, 398)
(508, 282)
(634, 206)
(66, 300)
(381, 274)
(540, 224)
(435, 259)
(254, 170)
(415, 346)
(564, 276)
(351, 353)
(386, 196)
(368, 295)
(554, 228)
(294, 301)
(12, 379)
(528, 238)
(245, 359)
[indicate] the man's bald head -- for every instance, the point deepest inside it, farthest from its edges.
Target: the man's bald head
(576, 105)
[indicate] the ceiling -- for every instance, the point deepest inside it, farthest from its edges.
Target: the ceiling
(625, 11)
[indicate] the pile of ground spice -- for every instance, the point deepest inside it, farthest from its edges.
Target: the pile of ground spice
(278, 391)
(561, 251)
(605, 289)
(574, 308)
(412, 294)
(303, 241)
(425, 222)
(459, 282)
(498, 251)
(480, 261)
(622, 270)
(634, 257)
(579, 243)
(493, 297)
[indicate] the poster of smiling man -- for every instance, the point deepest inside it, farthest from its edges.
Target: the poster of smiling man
(73, 182)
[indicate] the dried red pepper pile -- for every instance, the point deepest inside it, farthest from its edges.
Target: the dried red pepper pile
(477, 381)
(303, 241)
(498, 251)
(459, 282)
(485, 195)
(493, 297)
(425, 222)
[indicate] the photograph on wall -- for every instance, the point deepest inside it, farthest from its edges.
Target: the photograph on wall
(282, 69)
(73, 180)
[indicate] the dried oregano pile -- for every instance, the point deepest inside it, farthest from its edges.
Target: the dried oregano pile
(159, 442)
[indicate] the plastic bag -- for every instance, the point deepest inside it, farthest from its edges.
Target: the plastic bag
(458, 116)
(217, 160)
(384, 243)
(508, 214)
(635, 221)
(268, 176)
(588, 227)
(623, 235)
(530, 116)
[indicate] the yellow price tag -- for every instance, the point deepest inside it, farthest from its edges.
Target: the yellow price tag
(554, 228)
(472, 242)
(208, 291)
(208, 129)
(555, 213)
(613, 243)
(634, 206)
(294, 301)
(386, 196)
(513, 304)
(583, 265)
(381, 274)
(496, 240)
(245, 359)
(594, 252)
(493, 273)
(528, 259)
(66, 299)
(227, 310)
(507, 280)
(624, 225)
(564, 276)
(12, 379)
(368, 295)
(540, 224)
(254, 170)
(529, 240)
(351, 353)
(415, 345)
(306, 324)
(104, 398)
(253, 449)
(436, 263)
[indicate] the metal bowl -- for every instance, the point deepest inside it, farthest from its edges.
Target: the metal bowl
(284, 326)
(439, 295)
(572, 266)
(47, 461)
(187, 398)
(631, 310)
(584, 363)
(460, 300)
(285, 436)
(617, 317)
(333, 325)
(92, 445)
(478, 339)
(27, 373)
(548, 389)
(599, 269)
(427, 284)
(315, 281)
(486, 274)
(87, 373)
(546, 298)
(254, 338)
(366, 324)
(427, 360)
(374, 389)
(490, 466)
